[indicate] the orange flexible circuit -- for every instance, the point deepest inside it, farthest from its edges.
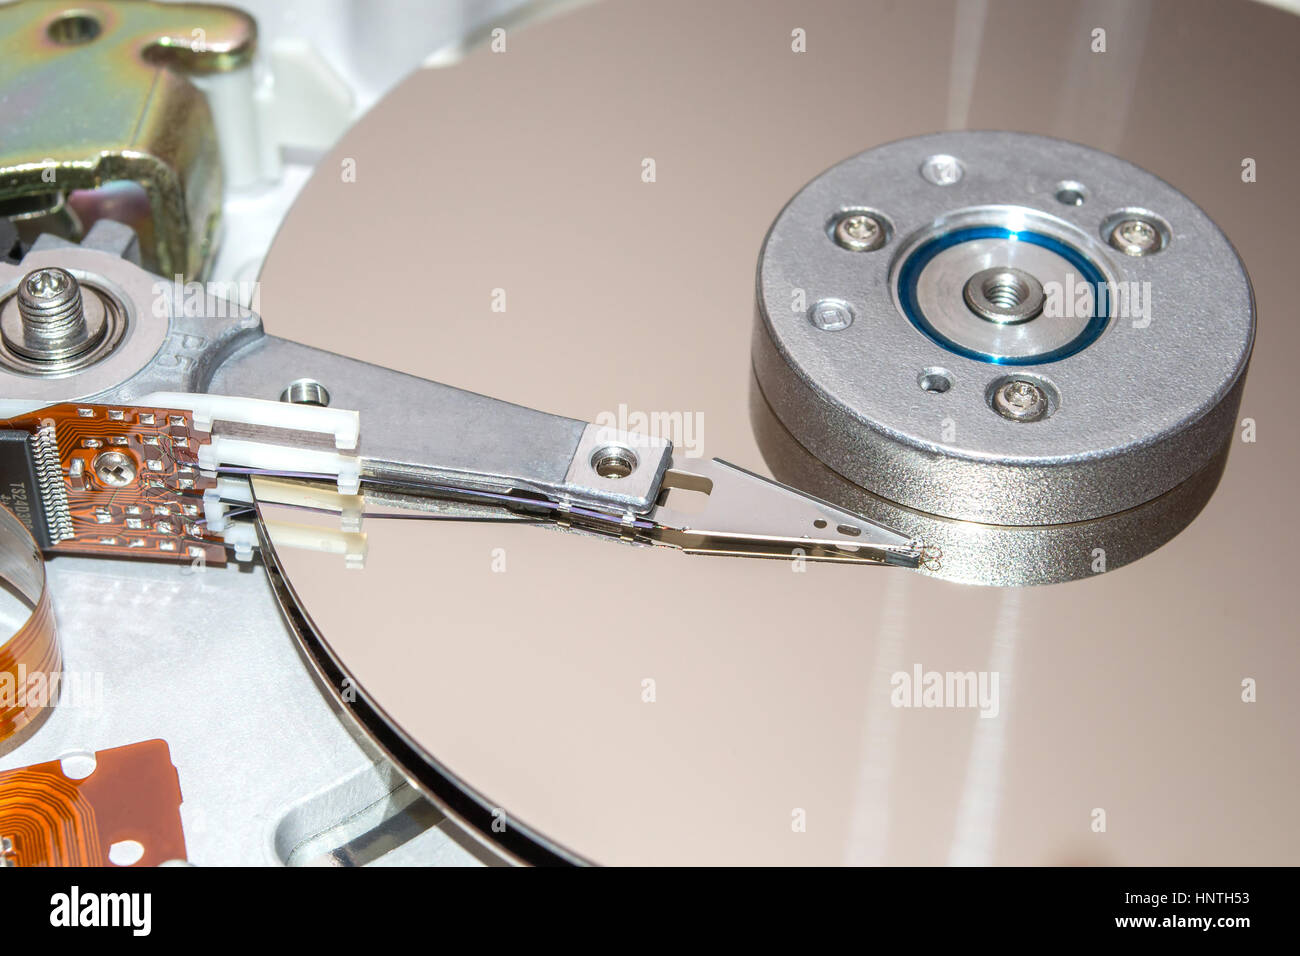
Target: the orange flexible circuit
(132, 796)
(31, 662)
(126, 479)
(111, 480)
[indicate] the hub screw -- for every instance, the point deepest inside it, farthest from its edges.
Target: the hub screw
(1020, 401)
(831, 315)
(1136, 237)
(859, 232)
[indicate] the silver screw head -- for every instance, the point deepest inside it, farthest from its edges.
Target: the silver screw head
(831, 315)
(52, 316)
(50, 327)
(1136, 237)
(1020, 401)
(47, 283)
(114, 469)
(859, 232)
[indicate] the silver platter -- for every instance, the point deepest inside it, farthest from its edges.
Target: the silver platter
(575, 699)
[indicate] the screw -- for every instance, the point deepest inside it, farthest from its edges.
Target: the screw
(1136, 237)
(614, 461)
(114, 469)
(53, 324)
(860, 232)
(48, 283)
(831, 315)
(1020, 401)
(53, 319)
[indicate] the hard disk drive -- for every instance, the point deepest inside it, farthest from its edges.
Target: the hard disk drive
(648, 433)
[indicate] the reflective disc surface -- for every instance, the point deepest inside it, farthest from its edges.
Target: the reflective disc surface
(632, 705)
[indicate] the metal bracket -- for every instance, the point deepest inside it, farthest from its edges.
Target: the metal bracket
(97, 97)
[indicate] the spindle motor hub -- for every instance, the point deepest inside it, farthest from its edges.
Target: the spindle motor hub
(1002, 328)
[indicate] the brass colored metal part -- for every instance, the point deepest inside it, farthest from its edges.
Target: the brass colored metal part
(98, 97)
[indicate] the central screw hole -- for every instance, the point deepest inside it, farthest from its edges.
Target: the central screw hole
(1004, 294)
(614, 461)
(1006, 291)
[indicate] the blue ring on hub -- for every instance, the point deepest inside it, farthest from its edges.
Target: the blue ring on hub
(910, 275)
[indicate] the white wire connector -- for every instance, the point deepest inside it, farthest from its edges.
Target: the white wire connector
(242, 536)
(281, 458)
(343, 424)
(259, 448)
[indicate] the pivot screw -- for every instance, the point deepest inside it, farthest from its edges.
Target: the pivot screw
(48, 284)
(53, 319)
(1136, 237)
(114, 469)
(1020, 401)
(831, 315)
(51, 324)
(860, 232)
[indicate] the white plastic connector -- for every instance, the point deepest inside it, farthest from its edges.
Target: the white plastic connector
(252, 454)
(350, 508)
(351, 545)
(234, 489)
(235, 493)
(216, 501)
(242, 536)
(214, 511)
(343, 424)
